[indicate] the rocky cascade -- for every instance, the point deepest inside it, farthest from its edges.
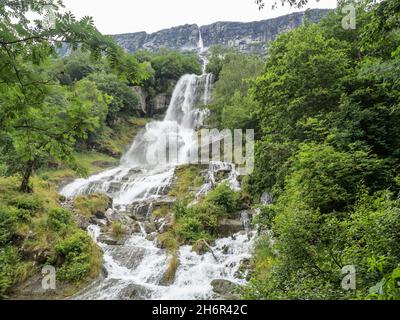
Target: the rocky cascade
(251, 37)
(136, 264)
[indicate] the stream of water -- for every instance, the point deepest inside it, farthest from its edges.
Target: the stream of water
(135, 269)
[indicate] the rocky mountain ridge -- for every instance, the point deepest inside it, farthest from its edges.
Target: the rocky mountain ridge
(251, 37)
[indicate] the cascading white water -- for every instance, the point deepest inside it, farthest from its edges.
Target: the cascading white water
(144, 170)
(135, 269)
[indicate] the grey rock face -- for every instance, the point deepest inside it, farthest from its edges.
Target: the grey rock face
(142, 97)
(228, 227)
(161, 102)
(182, 37)
(225, 289)
(251, 37)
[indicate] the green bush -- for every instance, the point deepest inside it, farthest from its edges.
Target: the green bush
(198, 222)
(29, 202)
(224, 197)
(190, 229)
(7, 224)
(59, 219)
(79, 257)
(23, 215)
(9, 259)
(266, 216)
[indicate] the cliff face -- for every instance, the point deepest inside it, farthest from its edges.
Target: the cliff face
(247, 37)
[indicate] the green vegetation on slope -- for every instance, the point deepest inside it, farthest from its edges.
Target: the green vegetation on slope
(196, 223)
(36, 231)
(332, 99)
(327, 107)
(60, 118)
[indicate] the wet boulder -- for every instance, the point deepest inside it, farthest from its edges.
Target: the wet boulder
(81, 221)
(229, 227)
(93, 205)
(225, 289)
(134, 292)
(143, 209)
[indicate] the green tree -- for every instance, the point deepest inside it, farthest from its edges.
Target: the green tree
(50, 132)
(32, 124)
(123, 99)
(231, 105)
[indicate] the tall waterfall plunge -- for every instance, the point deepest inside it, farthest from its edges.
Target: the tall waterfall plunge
(143, 171)
(135, 269)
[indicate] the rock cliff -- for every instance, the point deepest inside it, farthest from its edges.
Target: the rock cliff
(246, 36)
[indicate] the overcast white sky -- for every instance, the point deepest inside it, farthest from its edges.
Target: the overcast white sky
(124, 16)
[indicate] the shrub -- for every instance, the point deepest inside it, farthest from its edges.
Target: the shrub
(30, 202)
(23, 215)
(91, 204)
(80, 256)
(208, 213)
(225, 197)
(197, 222)
(9, 259)
(59, 219)
(191, 229)
(266, 216)
(7, 224)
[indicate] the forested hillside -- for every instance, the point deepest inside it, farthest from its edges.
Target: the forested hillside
(61, 118)
(325, 106)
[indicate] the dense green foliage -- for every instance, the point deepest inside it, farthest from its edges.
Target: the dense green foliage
(328, 107)
(167, 67)
(50, 107)
(34, 231)
(54, 112)
(232, 106)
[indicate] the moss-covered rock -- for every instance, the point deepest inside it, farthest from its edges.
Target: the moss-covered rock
(92, 205)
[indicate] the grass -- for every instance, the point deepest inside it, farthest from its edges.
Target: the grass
(92, 162)
(91, 204)
(188, 177)
(117, 230)
(169, 241)
(39, 226)
(173, 265)
(161, 212)
(264, 258)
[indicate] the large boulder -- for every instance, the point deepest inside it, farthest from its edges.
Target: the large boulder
(142, 210)
(161, 102)
(225, 289)
(229, 227)
(134, 292)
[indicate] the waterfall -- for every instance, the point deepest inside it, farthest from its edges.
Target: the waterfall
(135, 269)
(144, 170)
